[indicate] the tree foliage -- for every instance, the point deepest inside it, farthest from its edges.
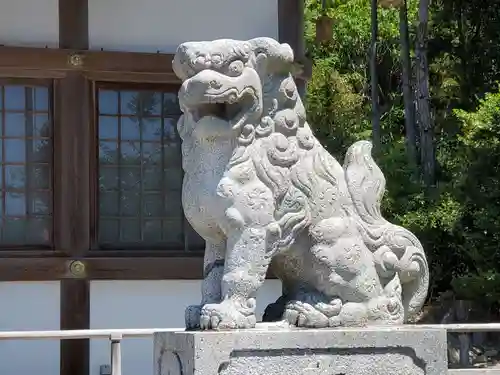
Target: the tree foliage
(459, 222)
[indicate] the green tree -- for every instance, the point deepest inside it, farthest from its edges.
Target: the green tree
(459, 222)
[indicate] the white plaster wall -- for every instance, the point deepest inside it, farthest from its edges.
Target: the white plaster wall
(33, 23)
(146, 304)
(29, 306)
(160, 25)
(141, 26)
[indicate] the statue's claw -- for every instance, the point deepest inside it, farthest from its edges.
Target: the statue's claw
(225, 315)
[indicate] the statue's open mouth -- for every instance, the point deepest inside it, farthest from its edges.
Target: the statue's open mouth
(212, 95)
(230, 106)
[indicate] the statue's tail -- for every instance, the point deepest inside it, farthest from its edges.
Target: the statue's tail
(395, 248)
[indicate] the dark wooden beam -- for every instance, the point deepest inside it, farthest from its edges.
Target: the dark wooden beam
(158, 268)
(130, 66)
(72, 182)
(95, 65)
(71, 165)
(71, 211)
(32, 269)
(73, 24)
(291, 24)
(43, 268)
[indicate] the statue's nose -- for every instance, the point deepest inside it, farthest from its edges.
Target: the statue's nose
(200, 84)
(194, 86)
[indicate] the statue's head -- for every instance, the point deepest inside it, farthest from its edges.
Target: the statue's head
(223, 83)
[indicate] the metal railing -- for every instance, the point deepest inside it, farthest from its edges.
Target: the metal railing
(115, 336)
(465, 345)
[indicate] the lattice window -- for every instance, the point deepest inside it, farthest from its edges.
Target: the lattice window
(140, 173)
(26, 163)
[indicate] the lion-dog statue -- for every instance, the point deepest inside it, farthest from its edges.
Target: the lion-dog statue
(262, 191)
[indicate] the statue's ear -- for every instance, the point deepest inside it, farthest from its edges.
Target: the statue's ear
(261, 61)
(281, 60)
(178, 62)
(286, 52)
(271, 56)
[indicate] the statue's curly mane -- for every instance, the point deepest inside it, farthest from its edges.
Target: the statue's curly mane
(290, 161)
(276, 147)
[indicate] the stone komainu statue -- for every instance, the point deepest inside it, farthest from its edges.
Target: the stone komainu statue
(261, 190)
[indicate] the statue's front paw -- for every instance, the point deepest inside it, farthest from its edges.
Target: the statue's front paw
(225, 315)
(318, 315)
(192, 317)
(302, 314)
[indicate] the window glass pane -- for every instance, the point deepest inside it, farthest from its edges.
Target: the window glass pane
(171, 104)
(151, 129)
(108, 127)
(41, 95)
(14, 98)
(25, 166)
(15, 124)
(39, 177)
(42, 125)
(108, 153)
(130, 129)
(108, 102)
(140, 173)
(15, 150)
(129, 103)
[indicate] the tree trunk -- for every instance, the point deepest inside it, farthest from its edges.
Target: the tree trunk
(376, 131)
(424, 118)
(410, 124)
(464, 57)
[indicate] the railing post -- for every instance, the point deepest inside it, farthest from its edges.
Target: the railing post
(116, 354)
(462, 310)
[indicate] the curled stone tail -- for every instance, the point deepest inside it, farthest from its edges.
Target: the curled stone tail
(395, 248)
(365, 181)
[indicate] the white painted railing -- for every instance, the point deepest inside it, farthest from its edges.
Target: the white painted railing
(465, 345)
(116, 336)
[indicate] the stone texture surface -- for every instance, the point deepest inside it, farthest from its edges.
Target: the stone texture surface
(375, 351)
(261, 190)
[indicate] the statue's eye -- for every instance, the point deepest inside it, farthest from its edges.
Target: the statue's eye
(236, 68)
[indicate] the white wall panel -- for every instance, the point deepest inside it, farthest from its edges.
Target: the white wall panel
(33, 23)
(160, 25)
(29, 306)
(146, 304)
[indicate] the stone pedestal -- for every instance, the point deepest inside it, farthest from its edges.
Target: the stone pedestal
(404, 350)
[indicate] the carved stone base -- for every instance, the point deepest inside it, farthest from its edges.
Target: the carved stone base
(373, 351)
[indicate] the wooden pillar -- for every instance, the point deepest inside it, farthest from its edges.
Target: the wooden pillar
(291, 31)
(71, 199)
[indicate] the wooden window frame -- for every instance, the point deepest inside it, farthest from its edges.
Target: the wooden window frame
(131, 69)
(141, 250)
(34, 250)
